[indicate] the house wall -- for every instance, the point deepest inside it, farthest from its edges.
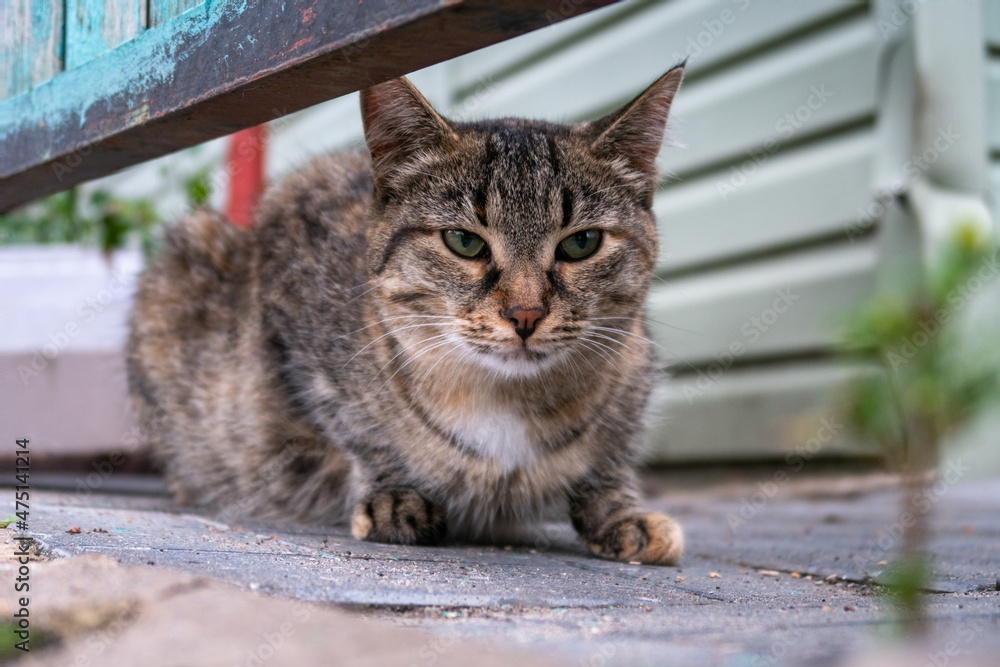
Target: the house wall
(763, 211)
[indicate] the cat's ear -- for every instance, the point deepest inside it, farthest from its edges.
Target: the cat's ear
(400, 122)
(635, 131)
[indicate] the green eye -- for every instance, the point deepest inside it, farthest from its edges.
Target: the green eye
(463, 243)
(579, 245)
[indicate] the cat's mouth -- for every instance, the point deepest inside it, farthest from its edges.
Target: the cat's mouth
(515, 361)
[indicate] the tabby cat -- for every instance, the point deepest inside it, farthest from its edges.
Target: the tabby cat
(440, 338)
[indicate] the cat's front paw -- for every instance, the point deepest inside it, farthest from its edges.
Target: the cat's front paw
(398, 516)
(650, 538)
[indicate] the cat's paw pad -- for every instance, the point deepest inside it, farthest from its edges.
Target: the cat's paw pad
(644, 537)
(398, 516)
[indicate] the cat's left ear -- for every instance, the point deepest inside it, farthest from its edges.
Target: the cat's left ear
(635, 132)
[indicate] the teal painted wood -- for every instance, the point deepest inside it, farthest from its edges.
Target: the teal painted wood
(208, 73)
(31, 45)
(161, 11)
(94, 27)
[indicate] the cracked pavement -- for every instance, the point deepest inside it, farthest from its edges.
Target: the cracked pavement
(771, 576)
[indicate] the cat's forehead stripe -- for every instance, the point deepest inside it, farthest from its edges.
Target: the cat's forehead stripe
(520, 169)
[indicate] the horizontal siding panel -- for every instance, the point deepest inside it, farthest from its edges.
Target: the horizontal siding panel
(470, 70)
(86, 389)
(336, 125)
(993, 103)
(994, 184)
(991, 14)
(804, 194)
(613, 66)
(775, 306)
(816, 84)
(31, 44)
(756, 413)
(332, 126)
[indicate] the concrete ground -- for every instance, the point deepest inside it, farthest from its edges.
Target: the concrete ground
(779, 570)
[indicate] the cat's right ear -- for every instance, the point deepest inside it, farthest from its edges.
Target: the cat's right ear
(400, 122)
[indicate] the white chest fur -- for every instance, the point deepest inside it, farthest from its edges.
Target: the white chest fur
(500, 436)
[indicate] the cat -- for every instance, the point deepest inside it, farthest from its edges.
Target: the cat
(436, 339)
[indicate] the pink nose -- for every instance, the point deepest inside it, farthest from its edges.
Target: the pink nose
(523, 319)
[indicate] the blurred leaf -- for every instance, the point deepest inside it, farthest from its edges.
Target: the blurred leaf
(198, 188)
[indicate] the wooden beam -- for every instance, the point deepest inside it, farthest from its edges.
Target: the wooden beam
(223, 67)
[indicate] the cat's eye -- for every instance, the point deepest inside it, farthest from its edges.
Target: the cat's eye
(579, 245)
(463, 243)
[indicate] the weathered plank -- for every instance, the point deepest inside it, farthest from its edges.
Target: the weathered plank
(31, 48)
(161, 11)
(207, 74)
(94, 27)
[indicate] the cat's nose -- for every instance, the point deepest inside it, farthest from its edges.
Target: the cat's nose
(523, 319)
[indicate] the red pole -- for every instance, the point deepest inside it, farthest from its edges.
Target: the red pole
(245, 165)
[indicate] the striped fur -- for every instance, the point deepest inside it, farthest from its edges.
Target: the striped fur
(339, 362)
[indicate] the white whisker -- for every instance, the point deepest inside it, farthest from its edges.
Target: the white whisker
(389, 333)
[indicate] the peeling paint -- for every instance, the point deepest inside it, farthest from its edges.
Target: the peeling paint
(33, 45)
(195, 84)
(94, 27)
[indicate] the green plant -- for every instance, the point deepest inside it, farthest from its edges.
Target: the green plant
(938, 376)
(102, 219)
